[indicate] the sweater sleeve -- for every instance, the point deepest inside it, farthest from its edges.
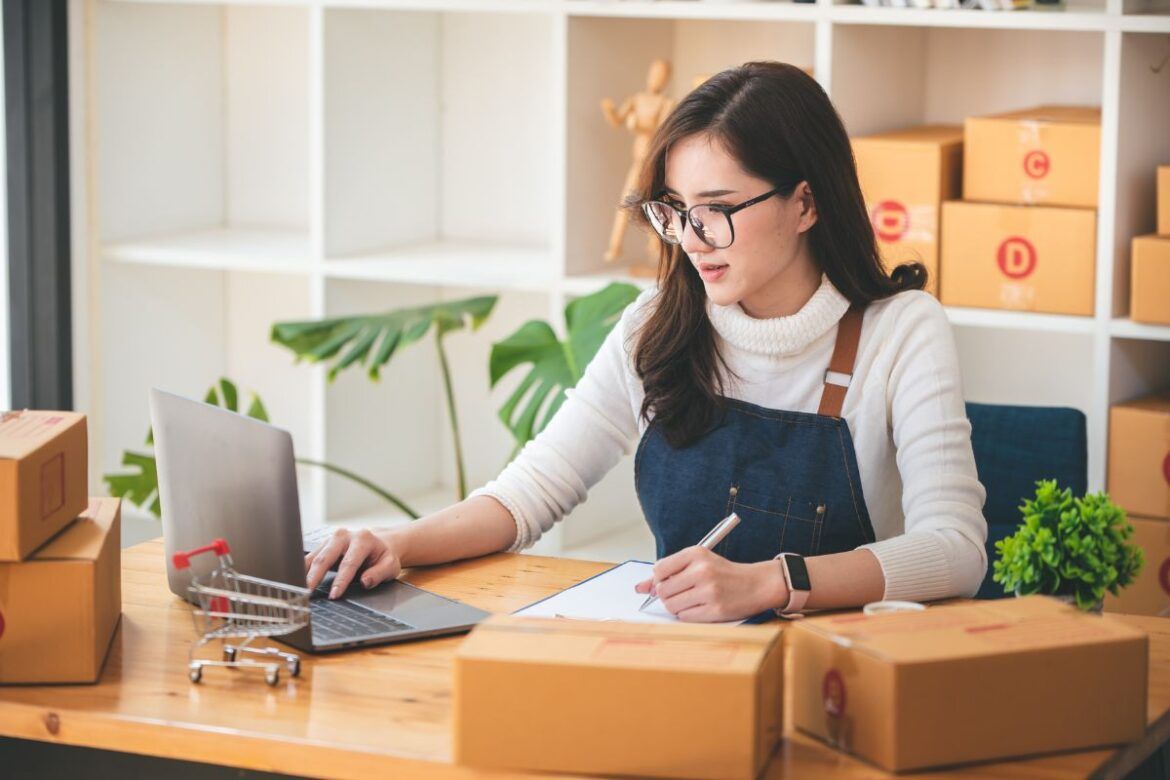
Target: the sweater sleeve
(941, 553)
(593, 429)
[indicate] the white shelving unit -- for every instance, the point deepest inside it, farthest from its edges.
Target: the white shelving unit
(235, 165)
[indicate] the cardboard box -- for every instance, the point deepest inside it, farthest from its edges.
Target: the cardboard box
(1047, 156)
(1139, 456)
(598, 697)
(905, 177)
(1149, 280)
(44, 477)
(59, 609)
(1164, 200)
(1019, 257)
(1149, 594)
(968, 682)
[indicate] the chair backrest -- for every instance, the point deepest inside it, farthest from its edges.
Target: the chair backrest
(1015, 446)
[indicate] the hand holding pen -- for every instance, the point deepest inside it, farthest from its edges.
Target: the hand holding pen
(713, 537)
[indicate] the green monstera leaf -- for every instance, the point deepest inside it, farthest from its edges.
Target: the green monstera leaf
(140, 486)
(555, 365)
(371, 340)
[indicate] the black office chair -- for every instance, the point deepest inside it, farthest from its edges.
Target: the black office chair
(1014, 447)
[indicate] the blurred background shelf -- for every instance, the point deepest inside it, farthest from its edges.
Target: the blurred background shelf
(1019, 320)
(225, 249)
(243, 164)
(453, 263)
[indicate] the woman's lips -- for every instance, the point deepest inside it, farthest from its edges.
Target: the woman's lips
(712, 272)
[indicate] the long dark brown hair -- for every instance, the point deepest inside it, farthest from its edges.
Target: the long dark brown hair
(780, 125)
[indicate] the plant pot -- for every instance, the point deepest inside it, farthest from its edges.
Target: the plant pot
(1069, 599)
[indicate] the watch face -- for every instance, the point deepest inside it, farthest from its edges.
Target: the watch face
(797, 572)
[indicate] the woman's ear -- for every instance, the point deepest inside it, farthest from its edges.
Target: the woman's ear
(808, 206)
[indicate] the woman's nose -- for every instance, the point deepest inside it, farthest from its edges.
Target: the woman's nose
(691, 243)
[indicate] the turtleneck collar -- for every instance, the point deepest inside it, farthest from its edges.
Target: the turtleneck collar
(779, 336)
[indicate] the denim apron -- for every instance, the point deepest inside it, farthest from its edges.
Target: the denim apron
(790, 476)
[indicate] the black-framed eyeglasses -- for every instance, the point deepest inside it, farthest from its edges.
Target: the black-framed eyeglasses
(711, 222)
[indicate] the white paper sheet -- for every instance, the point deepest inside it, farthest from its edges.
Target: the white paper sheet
(607, 596)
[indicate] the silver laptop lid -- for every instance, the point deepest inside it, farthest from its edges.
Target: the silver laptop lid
(225, 475)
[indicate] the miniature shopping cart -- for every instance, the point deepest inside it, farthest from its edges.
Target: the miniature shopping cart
(230, 605)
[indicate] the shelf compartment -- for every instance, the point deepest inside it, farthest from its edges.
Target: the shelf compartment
(458, 151)
(609, 57)
(213, 98)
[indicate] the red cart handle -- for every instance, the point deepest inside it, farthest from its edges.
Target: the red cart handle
(183, 559)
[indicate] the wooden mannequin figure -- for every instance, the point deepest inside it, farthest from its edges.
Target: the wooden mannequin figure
(641, 113)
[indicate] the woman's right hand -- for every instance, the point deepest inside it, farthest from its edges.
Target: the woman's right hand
(363, 550)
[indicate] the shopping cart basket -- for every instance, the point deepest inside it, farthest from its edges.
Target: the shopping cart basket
(230, 605)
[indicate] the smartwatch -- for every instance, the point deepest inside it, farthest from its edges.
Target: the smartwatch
(796, 578)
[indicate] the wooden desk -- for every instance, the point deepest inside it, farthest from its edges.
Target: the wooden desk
(364, 713)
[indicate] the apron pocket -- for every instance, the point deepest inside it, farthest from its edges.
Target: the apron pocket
(771, 523)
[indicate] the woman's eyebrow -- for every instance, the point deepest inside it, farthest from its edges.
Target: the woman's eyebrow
(708, 193)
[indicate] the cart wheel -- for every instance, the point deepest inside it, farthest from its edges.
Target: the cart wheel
(195, 672)
(229, 653)
(294, 667)
(272, 675)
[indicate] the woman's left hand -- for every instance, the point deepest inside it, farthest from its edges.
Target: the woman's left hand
(699, 586)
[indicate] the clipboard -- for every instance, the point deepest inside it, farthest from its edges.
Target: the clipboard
(610, 595)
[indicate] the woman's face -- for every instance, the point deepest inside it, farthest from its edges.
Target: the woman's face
(768, 269)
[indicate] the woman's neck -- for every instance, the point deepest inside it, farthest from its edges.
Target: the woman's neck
(786, 293)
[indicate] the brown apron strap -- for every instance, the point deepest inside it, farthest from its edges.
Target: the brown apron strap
(840, 371)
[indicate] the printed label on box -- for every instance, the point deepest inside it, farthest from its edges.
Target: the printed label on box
(1016, 257)
(1164, 576)
(1166, 468)
(27, 425)
(1036, 164)
(1017, 296)
(1039, 632)
(891, 220)
(833, 693)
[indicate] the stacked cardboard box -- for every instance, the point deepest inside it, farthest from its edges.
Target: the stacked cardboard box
(1024, 235)
(968, 682)
(60, 560)
(1139, 482)
(905, 177)
(1149, 299)
(675, 700)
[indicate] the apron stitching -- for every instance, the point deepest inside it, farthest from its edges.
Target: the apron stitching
(849, 479)
(794, 421)
(784, 530)
(785, 513)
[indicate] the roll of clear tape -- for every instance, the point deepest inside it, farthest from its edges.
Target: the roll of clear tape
(886, 607)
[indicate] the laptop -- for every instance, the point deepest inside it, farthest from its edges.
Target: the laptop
(226, 475)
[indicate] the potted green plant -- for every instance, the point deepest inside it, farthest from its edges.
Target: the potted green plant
(1072, 548)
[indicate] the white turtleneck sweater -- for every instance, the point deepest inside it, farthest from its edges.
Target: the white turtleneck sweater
(904, 409)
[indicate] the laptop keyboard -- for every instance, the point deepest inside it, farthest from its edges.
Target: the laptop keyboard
(344, 620)
(311, 539)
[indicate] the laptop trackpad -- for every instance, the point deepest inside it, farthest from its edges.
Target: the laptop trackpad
(414, 606)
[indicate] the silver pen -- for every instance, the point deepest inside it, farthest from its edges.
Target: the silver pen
(713, 537)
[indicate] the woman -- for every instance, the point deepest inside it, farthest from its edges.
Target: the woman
(721, 377)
